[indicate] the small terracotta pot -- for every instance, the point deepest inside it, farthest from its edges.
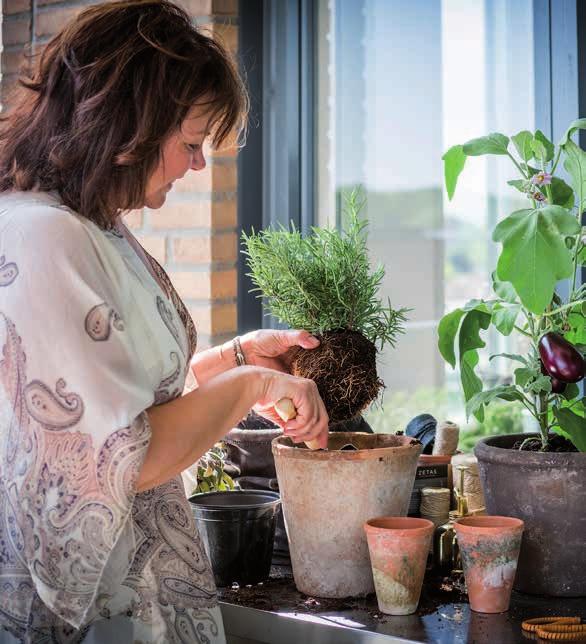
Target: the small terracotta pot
(489, 546)
(398, 549)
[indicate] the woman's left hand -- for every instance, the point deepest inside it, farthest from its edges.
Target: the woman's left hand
(269, 347)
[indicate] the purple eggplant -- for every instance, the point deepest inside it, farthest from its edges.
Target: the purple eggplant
(557, 386)
(560, 358)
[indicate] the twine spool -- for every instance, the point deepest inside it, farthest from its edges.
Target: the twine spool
(472, 486)
(446, 439)
(435, 504)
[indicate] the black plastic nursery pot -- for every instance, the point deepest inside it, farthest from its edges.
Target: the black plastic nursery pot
(237, 529)
(547, 490)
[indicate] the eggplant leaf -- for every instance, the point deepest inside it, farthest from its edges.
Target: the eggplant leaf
(482, 398)
(575, 164)
(542, 147)
(505, 290)
(454, 160)
(573, 426)
(504, 317)
(579, 124)
(534, 256)
(447, 330)
(571, 391)
(511, 356)
(522, 142)
(494, 143)
(562, 193)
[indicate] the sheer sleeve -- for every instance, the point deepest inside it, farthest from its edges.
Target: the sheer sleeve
(74, 430)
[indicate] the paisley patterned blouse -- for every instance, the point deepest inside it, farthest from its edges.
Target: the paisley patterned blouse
(90, 339)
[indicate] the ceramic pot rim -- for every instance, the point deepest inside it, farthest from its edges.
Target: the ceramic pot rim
(488, 524)
(496, 449)
(404, 446)
(400, 526)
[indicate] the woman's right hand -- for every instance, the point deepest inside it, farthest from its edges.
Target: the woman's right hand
(311, 422)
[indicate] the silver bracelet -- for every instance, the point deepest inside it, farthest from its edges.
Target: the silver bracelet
(238, 353)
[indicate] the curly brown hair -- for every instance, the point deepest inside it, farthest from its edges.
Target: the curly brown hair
(107, 91)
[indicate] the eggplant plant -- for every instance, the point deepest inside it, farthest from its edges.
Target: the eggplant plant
(541, 245)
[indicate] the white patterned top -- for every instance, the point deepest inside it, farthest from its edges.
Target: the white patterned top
(90, 339)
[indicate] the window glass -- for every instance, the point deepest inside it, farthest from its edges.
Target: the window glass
(398, 84)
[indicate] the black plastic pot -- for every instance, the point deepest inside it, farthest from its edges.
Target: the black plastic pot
(237, 529)
(547, 490)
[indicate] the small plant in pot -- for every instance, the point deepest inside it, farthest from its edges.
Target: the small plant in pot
(540, 479)
(323, 282)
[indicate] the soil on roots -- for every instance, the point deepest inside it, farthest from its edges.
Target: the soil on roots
(344, 369)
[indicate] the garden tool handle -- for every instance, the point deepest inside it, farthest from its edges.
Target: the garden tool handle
(286, 411)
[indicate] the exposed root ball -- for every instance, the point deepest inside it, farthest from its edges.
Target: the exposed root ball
(344, 369)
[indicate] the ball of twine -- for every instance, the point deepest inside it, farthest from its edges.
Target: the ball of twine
(435, 504)
(472, 485)
(447, 436)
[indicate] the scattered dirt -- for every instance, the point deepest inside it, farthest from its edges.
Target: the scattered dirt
(556, 444)
(344, 369)
(279, 593)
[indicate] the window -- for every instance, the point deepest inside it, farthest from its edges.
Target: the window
(397, 84)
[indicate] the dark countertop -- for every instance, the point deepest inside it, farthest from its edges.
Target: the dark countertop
(276, 612)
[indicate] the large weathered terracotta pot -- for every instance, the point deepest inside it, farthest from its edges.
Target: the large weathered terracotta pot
(548, 492)
(327, 496)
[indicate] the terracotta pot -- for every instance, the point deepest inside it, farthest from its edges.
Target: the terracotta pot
(398, 549)
(489, 547)
(327, 496)
(548, 492)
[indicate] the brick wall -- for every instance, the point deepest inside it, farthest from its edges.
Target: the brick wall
(194, 235)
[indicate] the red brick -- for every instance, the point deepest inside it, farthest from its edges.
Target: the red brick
(195, 214)
(155, 246)
(205, 249)
(213, 319)
(14, 61)
(215, 177)
(15, 6)
(16, 31)
(205, 285)
(51, 20)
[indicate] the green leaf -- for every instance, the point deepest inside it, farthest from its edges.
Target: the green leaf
(522, 143)
(541, 384)
(573, 425)
(511, 356)
(482, 398)
(471, 383)
(571, 391)
(523, 375)
(520, 184)
(534, 256)
(504, 317)
(575, 164)
(469, 341)
(542, 147)
(504, 290)
(579, 124)
(494, 143)
(454, 161)
(447, 330)
(562, 193)
(577, 332)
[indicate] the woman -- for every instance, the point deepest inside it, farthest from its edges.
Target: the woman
(97, 542)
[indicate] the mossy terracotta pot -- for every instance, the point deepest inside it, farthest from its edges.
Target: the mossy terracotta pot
(489, 547)
(398, 549)
(328, 495)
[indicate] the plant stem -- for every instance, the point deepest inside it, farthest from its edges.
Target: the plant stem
(564, 307)
(520, 330)
(541, 404)
(523, 174)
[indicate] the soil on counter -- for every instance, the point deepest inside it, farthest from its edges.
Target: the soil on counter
(279, 593)
(555, 444)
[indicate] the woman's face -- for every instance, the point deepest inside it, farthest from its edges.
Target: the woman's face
(182, 151)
